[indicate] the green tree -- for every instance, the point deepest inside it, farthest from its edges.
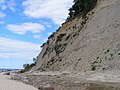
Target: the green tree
(34, 60)
(81, 7)
(25, 66)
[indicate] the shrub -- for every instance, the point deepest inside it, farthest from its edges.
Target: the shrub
(93, 68)
(27, 67)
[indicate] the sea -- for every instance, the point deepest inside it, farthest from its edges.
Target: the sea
(4, 70)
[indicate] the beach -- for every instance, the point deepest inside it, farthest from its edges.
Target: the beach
(7, 84)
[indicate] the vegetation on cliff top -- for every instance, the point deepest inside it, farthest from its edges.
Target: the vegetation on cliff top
(81, 7)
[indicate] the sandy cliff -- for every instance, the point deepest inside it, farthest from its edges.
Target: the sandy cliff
(92, 43)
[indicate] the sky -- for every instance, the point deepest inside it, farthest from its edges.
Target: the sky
(25, 25)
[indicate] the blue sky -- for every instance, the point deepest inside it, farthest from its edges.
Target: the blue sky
(25, 25)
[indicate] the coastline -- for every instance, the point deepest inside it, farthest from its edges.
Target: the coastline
(71, 80)
(7, 84)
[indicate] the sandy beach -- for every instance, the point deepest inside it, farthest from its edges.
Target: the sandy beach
(7, 84)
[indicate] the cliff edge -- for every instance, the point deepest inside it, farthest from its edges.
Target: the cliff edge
(85, 44)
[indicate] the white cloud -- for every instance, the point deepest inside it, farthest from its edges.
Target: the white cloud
(56, 10)
(10, 4)
(2, 15)
(40, 37)
(2, 22)
(47, 24)
(25, 27)
(49, 33)
(2, 5)
(15, 49)
(37, 36)
(2, 2)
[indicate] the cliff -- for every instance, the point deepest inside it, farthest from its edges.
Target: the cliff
(85, 44)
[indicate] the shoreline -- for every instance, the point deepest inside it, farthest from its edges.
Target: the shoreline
(109, 80)
(7, 84)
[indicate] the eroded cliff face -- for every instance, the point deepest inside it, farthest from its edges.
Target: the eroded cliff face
(92, 43)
